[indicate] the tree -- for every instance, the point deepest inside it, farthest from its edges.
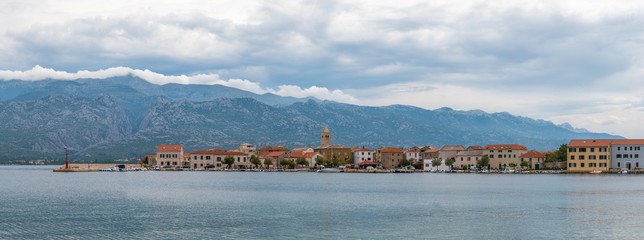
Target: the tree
(229, 160)
(302, 162)
(268, 162)
(483, 162)
(319, 160)
(255, 160)
(449, 162)
(525, 164)
(146, 161)
(404, 163)
(512, 165)
(436, 162)
(551, 158)
(335, 161)
(561, 154)
(418, 164)
(287, 163)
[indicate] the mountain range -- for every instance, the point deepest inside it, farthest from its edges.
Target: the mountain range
(126, 117)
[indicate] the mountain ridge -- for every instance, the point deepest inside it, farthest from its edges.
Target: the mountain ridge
(109, 120)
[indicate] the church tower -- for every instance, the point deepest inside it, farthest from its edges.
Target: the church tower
(325, 137)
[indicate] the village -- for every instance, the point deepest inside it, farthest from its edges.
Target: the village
(579, 156)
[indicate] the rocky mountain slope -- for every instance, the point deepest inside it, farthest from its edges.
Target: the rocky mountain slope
(103, 120)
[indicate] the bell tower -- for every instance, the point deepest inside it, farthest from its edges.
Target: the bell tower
(325, 137)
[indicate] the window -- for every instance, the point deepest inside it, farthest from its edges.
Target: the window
(592, 157)
(218, 159)
(631, 148)
(572, 157)
(618, 148)
(572, 150)
(491, 156)
(572, 165)
(592, 149)
(509, 150)
(592, 164)
(582, 157)
(207, 157)
(500, 156)
(619, 164)
(618, 156)
(637, 156)
(582, 149)
(581, 165)
(637, 164)
(201, 157)
(602, 157)
(602, 164)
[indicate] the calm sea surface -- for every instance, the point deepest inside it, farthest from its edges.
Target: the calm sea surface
(36, 203)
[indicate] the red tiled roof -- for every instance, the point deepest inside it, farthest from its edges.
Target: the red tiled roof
(505, 147)
(273, 154)
(295, 154)
(603, 142)
(186, 155)
(433, 150)
(309, 154)
(475, 148)
(391, 150)
(533, 154)
(169, 148)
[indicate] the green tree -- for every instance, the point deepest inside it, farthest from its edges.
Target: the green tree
(146, 161)
(268, 162)
(550, 160)
(512, 165)
(302, 162)
(229, 160)
(335, 161)
(255, 160)
(561, 154)
(483, 162)
(525, 164)
(287, 163)
(404, 163)
(319, 160)
(418, 164)
(449, 162)
(436, 162)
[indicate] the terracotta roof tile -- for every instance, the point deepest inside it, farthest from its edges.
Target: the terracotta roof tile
(391, 150)
(169, 147)
(533, 154)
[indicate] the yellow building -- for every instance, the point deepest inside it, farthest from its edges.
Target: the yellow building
(502, 155)
(588, 155)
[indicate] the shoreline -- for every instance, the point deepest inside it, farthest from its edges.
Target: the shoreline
(136, 167)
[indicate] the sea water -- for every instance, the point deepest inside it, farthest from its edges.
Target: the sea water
(36, 203)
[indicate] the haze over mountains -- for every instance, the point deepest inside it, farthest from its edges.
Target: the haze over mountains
(125, 117)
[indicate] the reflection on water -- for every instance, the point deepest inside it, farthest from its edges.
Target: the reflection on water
(37, 203)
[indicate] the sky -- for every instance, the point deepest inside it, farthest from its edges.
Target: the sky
(580, 62)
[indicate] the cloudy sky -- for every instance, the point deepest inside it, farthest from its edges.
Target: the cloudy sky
(565, 61)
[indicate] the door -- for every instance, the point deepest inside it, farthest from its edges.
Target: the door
(628, 165)
(536, 166)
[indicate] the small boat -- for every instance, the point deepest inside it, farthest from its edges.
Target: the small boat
(329, 170)
(596, 171)
(624, 171)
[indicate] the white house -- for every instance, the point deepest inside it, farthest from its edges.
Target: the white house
(363, 154)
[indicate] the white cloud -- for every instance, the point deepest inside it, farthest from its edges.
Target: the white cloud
(40, 73)
(558, 60)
